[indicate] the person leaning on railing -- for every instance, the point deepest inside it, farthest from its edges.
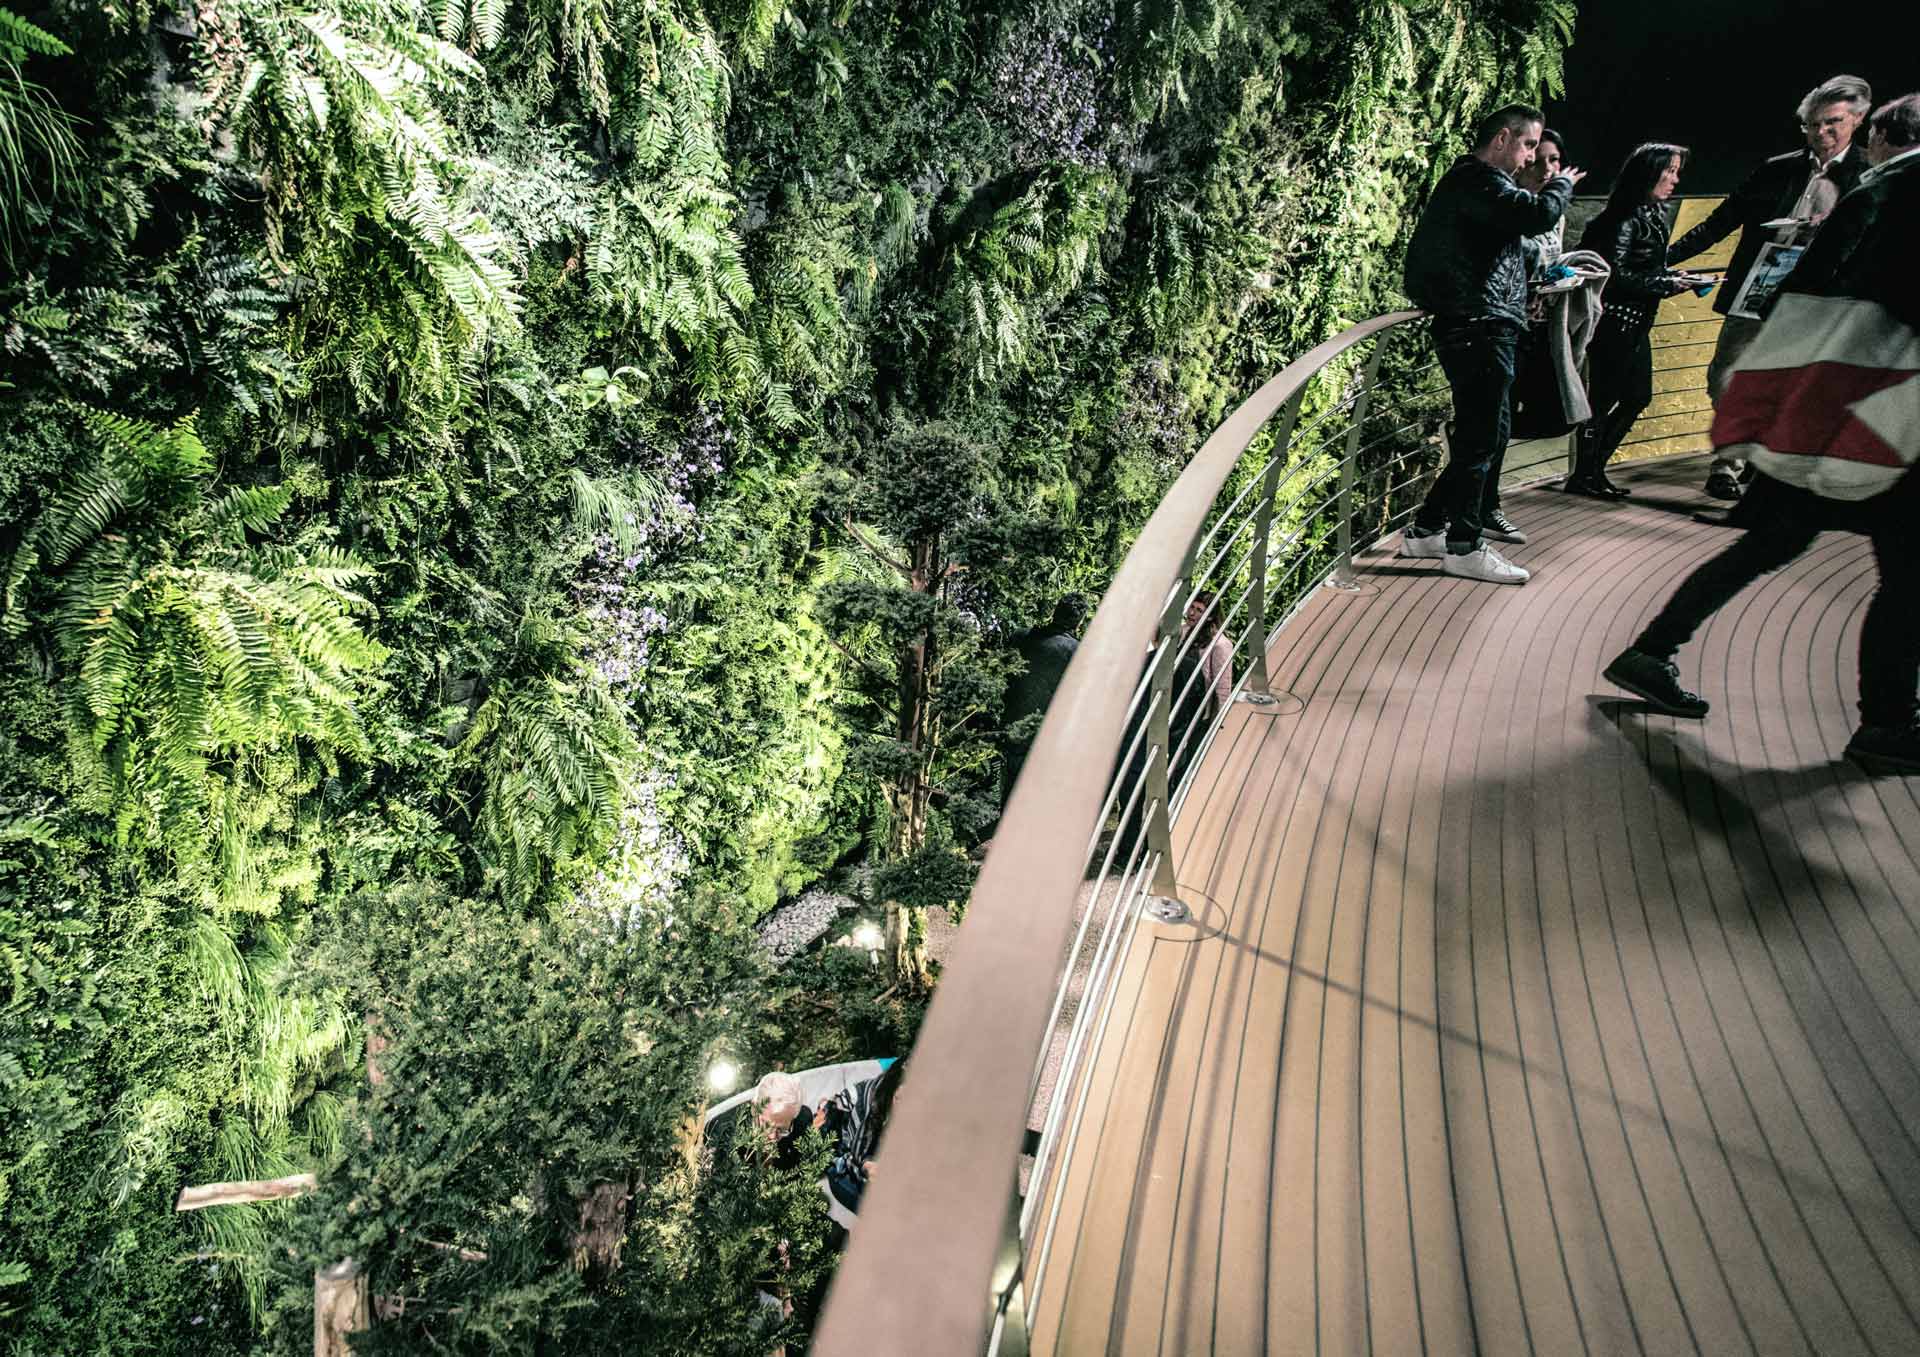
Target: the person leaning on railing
(1631, 235)
(1467, 265)
(1826, 404)
(1800, 186)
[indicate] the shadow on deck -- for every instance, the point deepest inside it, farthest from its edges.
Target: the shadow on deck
(1517, 1019)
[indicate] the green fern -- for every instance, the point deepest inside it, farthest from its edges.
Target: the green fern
(187, 648)
(33, 129)
(546, 760)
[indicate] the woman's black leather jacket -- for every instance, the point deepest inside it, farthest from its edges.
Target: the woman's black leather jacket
(1634, 244)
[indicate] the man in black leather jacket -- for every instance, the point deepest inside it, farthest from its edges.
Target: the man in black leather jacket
(1803, 185)
(1466, 265)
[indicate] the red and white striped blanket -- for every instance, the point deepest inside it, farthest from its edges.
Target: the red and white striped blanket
(1827, 398)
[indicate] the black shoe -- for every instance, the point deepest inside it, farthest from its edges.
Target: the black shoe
(1886, 751)
(1656, 681)
(1497, 527)
(1608, 488)
(1589, 486)
(1722, 485)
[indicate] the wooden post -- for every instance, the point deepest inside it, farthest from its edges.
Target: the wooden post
(339, 1308)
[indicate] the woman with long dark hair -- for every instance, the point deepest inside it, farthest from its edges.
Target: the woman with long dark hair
(1631, 235)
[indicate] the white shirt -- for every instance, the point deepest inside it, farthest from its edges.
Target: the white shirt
(1821, 193)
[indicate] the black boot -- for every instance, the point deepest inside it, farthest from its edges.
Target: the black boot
(1585, 479)
(1607, 488)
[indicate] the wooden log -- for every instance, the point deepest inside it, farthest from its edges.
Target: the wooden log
(232, 1194)
(340, 1307)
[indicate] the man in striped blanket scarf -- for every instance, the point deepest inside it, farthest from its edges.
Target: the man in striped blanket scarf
(1826, 404)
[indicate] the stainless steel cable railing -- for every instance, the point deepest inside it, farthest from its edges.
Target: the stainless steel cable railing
(957, 1232)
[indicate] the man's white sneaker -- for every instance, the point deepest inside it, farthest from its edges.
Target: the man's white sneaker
(1485, 564)
(1428, 546)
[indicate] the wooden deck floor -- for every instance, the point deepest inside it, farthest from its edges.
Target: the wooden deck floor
(1520, 1020)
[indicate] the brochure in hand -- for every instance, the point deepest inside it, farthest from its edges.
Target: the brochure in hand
(1769, 270)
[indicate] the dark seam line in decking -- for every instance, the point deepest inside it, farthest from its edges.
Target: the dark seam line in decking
(1553, 1008)
(1685, 543)
(1400, 617)
(1247, 869)
(1597, 579)
(1279, 833)
(1850, 829)
(1360, 1024)
(1729, 624)
(1865, 958)
(1855, 962)
(1834, 768)
(1284, 831)
(1519, 1027)
(1811, 957)
(1681, 1044)
(1681, 543)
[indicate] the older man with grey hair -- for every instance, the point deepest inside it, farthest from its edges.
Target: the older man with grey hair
(1800, 187)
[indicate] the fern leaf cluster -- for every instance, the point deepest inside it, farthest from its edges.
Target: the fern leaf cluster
(550, 757)
(340, 108)
(193, 649)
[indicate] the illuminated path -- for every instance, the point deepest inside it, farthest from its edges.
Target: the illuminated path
(1521, 1020)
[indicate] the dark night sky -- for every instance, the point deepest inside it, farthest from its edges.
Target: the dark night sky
(1720, 76)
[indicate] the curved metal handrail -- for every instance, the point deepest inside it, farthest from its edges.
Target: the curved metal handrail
(942, 1238)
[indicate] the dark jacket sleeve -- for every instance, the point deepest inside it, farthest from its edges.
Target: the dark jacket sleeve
(1747, 205)
(1513, 211)
(1632, 280)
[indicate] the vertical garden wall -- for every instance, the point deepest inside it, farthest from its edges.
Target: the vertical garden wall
(495, 496)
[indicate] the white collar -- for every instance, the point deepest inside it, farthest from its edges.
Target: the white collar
(1874, 172)
(1824, 165)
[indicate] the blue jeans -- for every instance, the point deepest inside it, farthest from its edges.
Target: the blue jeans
(1478, 357)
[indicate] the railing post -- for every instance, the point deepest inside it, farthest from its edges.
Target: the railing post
(1259, 689)
(1159, 771)
(1007, 1333)
(1343, 576)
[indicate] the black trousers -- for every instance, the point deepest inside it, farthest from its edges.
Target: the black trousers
(1478, 357)
(1619, 387)
(1889, 640)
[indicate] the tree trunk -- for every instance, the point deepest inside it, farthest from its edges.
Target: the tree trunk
(905, 947)
(602, 1230)
(340, 1307)
(906, 927)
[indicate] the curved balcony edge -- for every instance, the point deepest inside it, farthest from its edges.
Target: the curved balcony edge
(919, 1272)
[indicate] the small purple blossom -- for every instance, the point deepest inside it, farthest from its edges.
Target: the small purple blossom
(643, 870)
(621, 628)
(1053, 87)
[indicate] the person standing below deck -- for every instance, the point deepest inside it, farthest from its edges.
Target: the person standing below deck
(1827, 400)
(1468, 266)
(1631, 235)
(1802, 186)
(1046, 652)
